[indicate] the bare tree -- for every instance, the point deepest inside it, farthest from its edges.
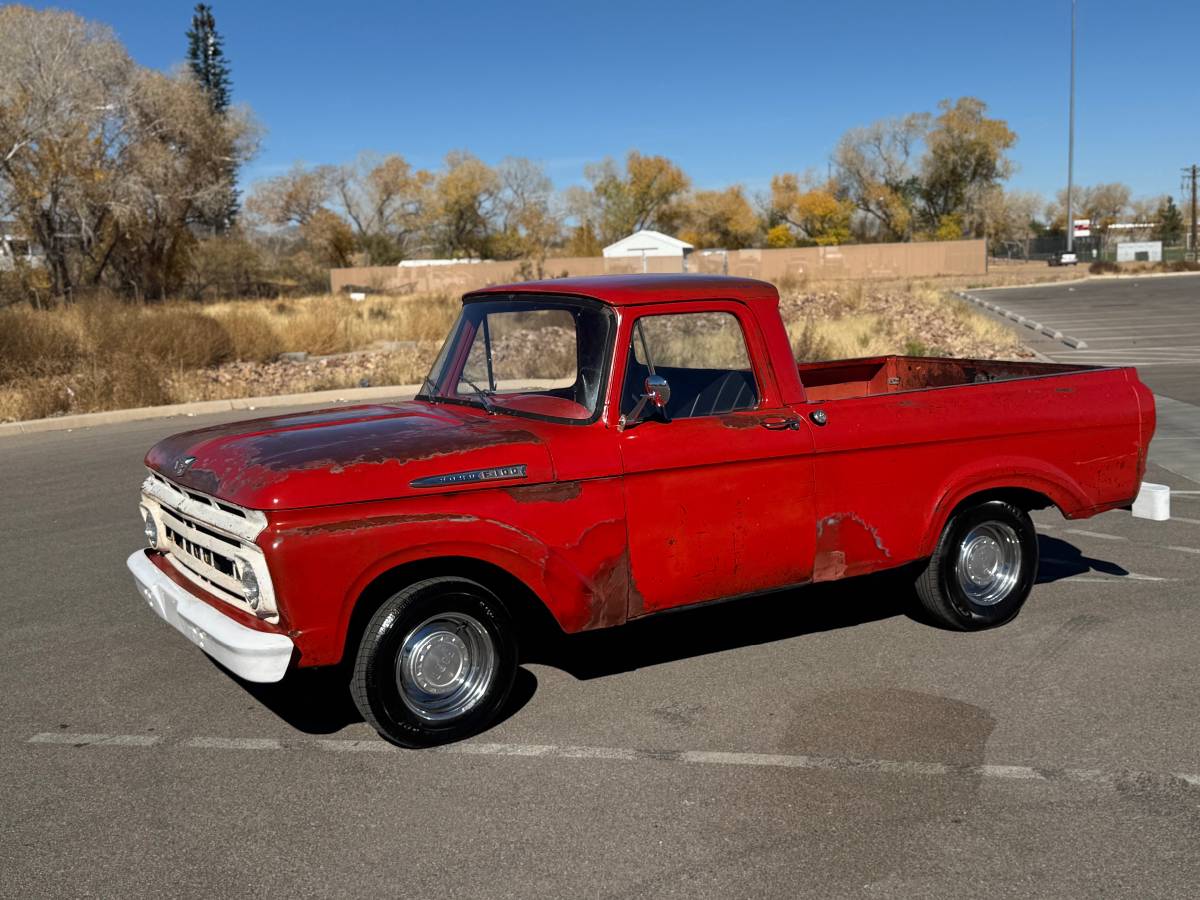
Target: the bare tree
(386, 202)
(877, 168)
(106, 164)
(292, 198)
(63, 84)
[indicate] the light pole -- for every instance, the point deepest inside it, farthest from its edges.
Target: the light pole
(1071, 140)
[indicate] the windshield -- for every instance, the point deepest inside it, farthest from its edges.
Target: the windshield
(537, 356)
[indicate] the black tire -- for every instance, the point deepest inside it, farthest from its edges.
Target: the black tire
(386, 698)
(941, 588)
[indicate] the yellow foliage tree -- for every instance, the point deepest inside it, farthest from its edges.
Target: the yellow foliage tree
(816, 212)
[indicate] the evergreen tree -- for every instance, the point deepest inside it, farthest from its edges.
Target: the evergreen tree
(206, 59)
(1168, 225)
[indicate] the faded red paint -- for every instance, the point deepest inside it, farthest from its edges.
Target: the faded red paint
(609, 525)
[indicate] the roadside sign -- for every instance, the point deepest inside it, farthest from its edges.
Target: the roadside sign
(1083, 228)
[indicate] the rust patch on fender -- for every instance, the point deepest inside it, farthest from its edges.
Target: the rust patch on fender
(610, 592)
(552, 492)
(847, 545)
(829, 565)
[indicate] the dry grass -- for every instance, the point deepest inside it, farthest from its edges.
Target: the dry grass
(108, 355)
(838, 320)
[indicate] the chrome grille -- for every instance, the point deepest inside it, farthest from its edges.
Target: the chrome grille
(206, 540)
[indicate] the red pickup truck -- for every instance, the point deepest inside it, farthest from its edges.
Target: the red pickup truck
(606, 449)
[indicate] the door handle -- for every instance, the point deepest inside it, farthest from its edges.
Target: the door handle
(780, 423)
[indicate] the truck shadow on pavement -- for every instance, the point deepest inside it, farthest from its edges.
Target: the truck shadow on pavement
(726, 625)
(1060, 560)
(317, 701)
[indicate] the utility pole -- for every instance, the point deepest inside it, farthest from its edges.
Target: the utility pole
(1071, 140)
(1189, 174)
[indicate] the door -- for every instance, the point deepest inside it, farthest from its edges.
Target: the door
(719, 492)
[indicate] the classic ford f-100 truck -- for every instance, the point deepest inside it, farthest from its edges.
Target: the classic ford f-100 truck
(605, 449)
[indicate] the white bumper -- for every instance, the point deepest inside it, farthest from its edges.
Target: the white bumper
(253, 655)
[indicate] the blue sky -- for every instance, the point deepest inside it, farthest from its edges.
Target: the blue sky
(733, 93)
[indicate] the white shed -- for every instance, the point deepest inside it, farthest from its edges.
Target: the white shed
(645, 244)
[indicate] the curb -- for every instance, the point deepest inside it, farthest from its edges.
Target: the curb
(205, 407)
(1048, 331)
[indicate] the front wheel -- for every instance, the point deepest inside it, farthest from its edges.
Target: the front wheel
(983, 567)
(436, 663)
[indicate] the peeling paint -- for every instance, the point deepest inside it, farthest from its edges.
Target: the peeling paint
(354, 525)
(553, 492)
(842, 551)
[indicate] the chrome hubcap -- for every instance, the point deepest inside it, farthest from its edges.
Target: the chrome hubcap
(445, 666)
(989, 563)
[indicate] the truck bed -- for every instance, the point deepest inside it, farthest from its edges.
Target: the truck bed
(848, 378)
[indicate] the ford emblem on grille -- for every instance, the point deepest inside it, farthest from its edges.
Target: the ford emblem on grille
(183, 464)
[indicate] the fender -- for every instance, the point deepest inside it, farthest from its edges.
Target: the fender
(1011, 473)
(577, 565)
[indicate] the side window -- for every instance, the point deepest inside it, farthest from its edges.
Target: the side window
(703, 357)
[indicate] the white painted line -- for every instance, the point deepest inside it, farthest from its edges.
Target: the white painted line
(1185, 521)
(1185, 549)
(1096, 534)
(625, 754)
(220, 743)
(1023, 772)
(346, 746)
(501, 749)
(597, 753)
(94, 740)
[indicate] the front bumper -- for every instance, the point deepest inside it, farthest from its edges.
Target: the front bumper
(253, 655)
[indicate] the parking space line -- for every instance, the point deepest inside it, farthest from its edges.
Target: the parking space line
(1096, 534)
(91, 740)
(1133, 780)
(1185, 549)
(220, 743)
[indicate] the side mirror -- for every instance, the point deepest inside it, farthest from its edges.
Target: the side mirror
(657, 393)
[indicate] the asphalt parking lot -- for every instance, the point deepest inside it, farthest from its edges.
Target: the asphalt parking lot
(1152, 323)
(814, 742)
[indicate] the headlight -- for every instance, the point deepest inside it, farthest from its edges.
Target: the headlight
(249, 583)
(150, 527)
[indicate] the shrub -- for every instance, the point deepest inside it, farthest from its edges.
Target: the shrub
(320, 328)
(125, 381)
(1103, 267)
(35, 343)
(809, 346)
(252, 337)
(1183, 265)
(174, 336)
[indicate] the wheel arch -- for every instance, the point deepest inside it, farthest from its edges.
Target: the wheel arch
(1029, 491)
(522, 601)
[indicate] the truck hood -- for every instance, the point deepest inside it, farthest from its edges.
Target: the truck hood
(348, 454)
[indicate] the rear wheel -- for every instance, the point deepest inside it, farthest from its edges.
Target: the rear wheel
(983, 567)
(435, 663)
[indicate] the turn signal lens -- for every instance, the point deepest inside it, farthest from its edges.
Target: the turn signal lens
(249, 584)
(150, 528)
